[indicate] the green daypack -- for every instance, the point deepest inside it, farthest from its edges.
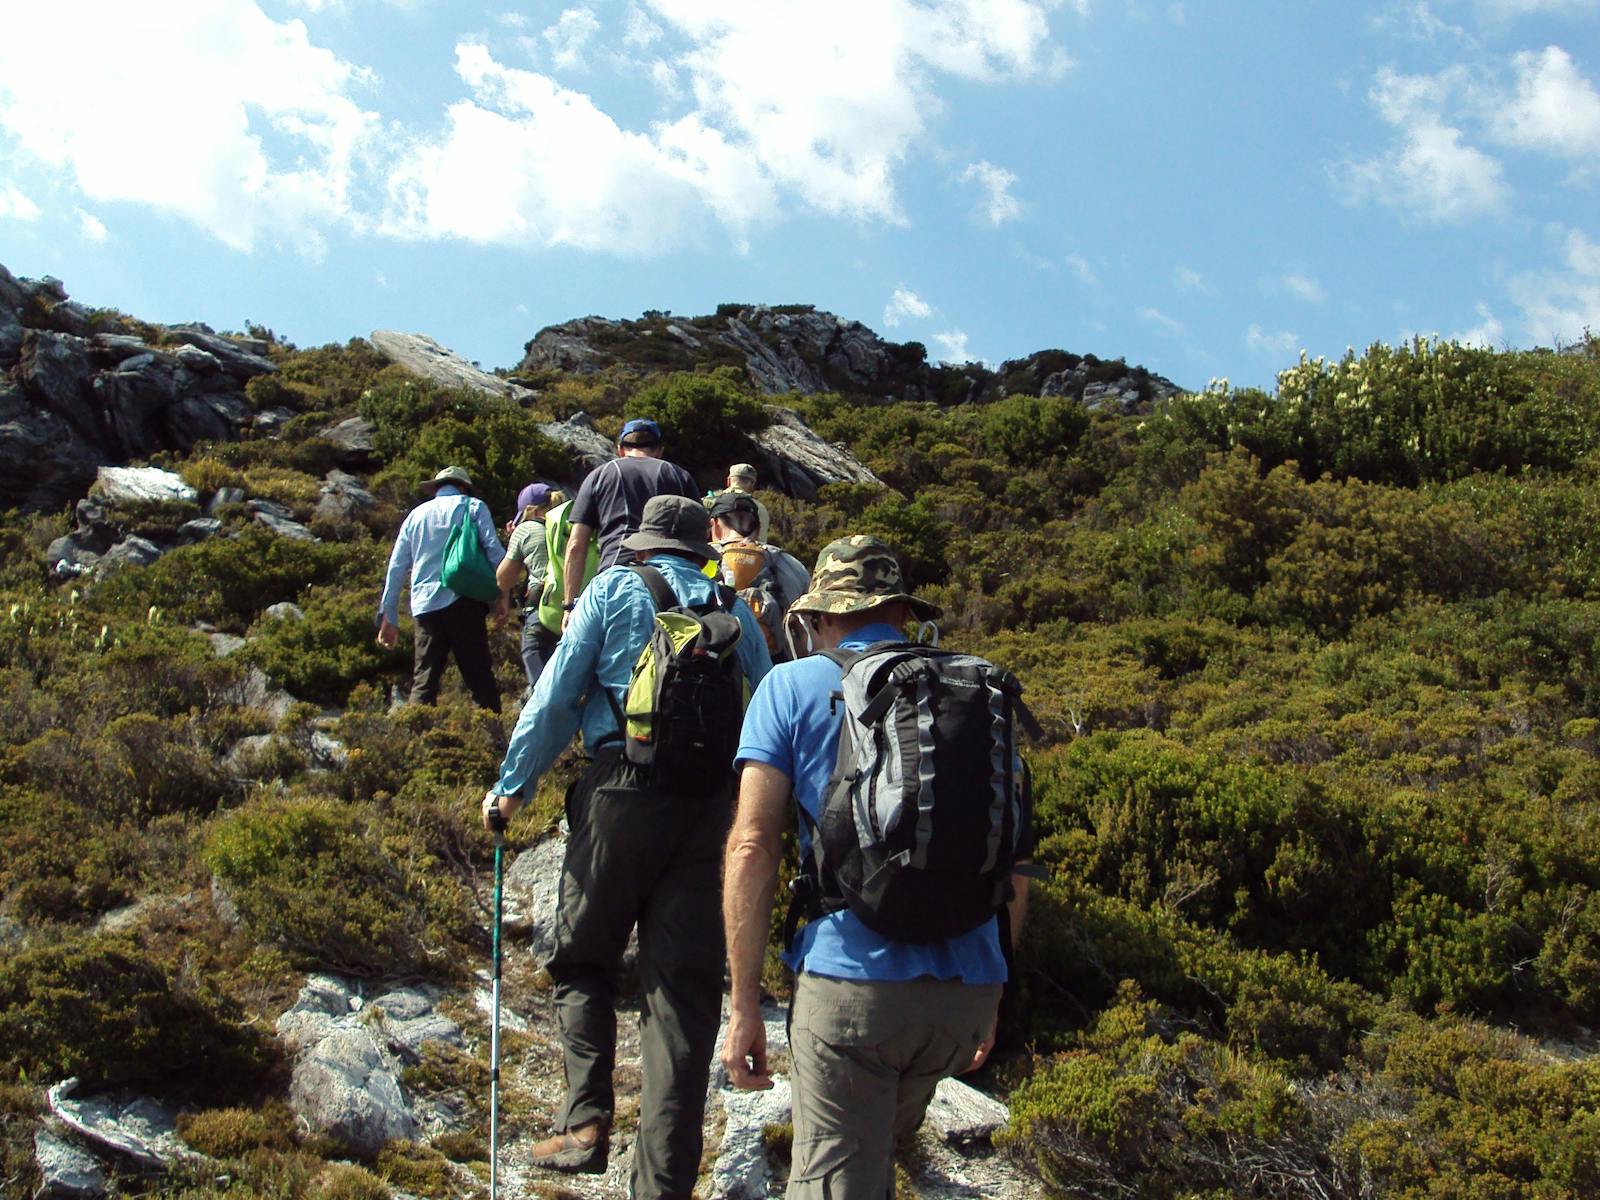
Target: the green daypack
(466, 570)
(685, 702)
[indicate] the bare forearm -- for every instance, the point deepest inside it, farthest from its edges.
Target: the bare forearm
(750, 875)
(573, 562)
(748, 886)
(1017, 906)
(508, 574)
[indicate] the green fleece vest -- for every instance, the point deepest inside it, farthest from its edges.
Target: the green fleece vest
(557, 532)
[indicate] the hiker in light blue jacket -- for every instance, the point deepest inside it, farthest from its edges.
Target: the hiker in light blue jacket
(446, 623)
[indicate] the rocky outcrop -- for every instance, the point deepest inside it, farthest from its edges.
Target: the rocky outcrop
(1100, 384)
(794, 460)
(801, 349)
(348, 1053)
(789, 349)
(588, 446)
(75, 396)
(135, 1129)
(424, 357)
(66, 1170)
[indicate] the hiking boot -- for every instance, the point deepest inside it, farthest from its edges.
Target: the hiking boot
(580, 1151)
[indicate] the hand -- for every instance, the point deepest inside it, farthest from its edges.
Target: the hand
(388, 634)
(502, 610)
(507, 806)
(744, 1053)
(566, 619)
(981, 1055)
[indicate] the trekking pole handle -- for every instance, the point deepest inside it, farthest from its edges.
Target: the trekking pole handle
(497, 824)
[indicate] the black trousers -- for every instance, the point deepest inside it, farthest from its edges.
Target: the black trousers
(461, 630)
(636, 855)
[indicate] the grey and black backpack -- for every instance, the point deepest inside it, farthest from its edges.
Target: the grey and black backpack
(922, 821)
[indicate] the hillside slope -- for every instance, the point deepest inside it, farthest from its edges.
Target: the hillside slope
(1319, 672)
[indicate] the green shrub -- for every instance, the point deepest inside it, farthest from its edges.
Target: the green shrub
(234, 1132)
(228, 581)
(96, 1007)
(699, 412)
(324, 655)
(415, 1168)
(339, 890)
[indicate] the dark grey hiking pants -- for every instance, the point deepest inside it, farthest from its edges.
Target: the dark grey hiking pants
(460, 629)
(638, 855)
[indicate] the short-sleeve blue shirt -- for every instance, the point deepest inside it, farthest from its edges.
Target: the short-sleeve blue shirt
(792, 726)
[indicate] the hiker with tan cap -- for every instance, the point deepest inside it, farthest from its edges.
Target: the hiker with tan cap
(909, 913)
(742, 481)
(644, 846)
(447, 623)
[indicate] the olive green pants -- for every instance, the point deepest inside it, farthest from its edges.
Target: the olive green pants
(639, 856)
(866, 1057)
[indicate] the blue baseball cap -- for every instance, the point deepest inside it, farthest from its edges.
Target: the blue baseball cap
(641, 431)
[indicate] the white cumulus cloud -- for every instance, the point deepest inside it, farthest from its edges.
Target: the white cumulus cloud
(1081, 267)
(1262, 342)
(92, 227)
(1304, 287)
(905, 304)
(1489, 332)
(269, 137)
(568, 37)
(952, 347)
(828, 97)
(1432, 174)
(528, 162)
(1560, 305)
(787, 103)
(16, 206)
(1552, 107)
(1160, 319)
(998, 204)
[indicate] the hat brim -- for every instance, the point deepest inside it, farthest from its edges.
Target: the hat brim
(431, 487)
(647, 542)
(855, 602)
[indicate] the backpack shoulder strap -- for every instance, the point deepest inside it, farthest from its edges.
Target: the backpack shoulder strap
(661, 593)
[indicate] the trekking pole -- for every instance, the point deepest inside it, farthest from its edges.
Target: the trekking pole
(497, 824)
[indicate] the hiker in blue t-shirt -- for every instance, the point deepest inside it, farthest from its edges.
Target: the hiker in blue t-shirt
(875, 1023)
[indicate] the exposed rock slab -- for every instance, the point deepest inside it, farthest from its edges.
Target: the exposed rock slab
(143, 485)
(66, 1170)
(798, 462)
(741, 1171)
(583, 441)
(964, 1116)
(139, 1129)
(423, 356)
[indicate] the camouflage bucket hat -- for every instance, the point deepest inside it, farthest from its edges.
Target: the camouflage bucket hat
(858, 573)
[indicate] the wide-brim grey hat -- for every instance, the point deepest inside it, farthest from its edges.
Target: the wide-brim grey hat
(451, 475)
(674, 523)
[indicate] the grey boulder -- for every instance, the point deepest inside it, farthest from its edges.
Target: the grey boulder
(345, 1081)
(423, 356)
(66, 1170)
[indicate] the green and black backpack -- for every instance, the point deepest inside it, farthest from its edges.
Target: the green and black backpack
(686, 700)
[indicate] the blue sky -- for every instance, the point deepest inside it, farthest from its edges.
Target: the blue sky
(1206, 189)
